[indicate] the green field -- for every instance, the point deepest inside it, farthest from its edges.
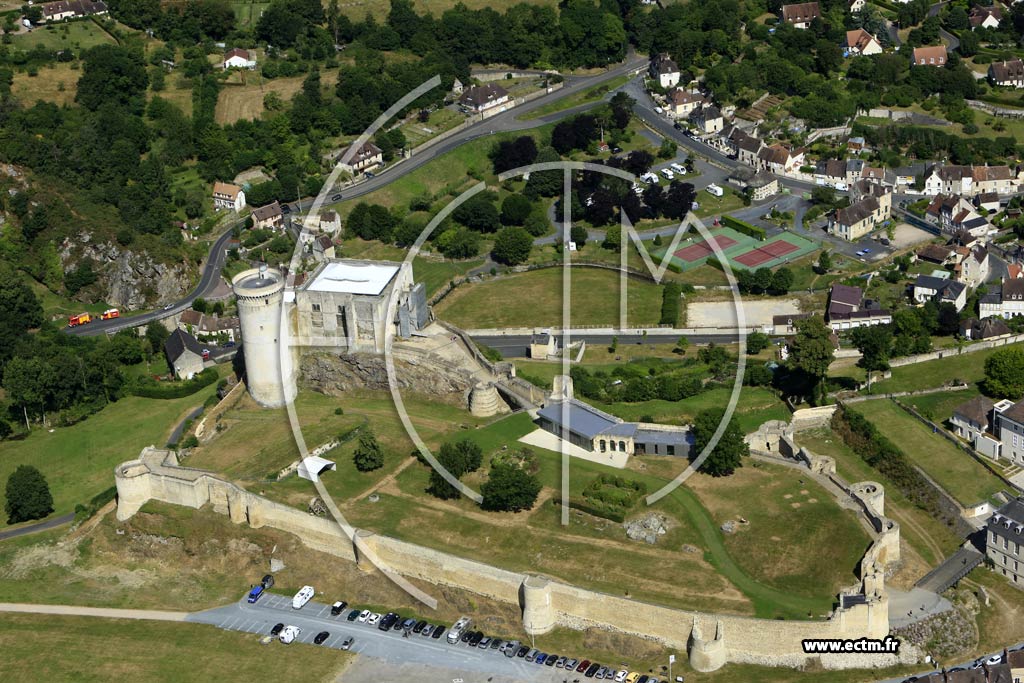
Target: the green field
(534, 299)
(77, 35)
(967, 367)
(247, 12)
(590, 95)
(78, 461)
(57, 648)
(964, 478)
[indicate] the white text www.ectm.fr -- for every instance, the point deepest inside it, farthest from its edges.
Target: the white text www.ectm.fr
(888, 645)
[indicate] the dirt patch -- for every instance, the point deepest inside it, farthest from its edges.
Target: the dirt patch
(717, 314)
(794, 505)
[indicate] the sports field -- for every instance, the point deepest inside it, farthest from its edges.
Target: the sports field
(741, 251)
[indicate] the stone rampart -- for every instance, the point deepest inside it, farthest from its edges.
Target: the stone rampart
(546, 603)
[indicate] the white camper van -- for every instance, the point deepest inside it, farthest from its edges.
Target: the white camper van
(304, 595)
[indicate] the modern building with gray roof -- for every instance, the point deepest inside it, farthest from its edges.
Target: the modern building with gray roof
(595, 430)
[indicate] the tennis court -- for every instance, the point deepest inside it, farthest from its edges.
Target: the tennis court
(704, 248)
(759, 255)
(775, 252)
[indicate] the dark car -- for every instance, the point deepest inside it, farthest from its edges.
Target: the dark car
(466, 636)
(267, 582)
(321, 637)
(396, 625)
(616, 150)
(228, 345)
(551, 659)
(353, 615)
(369, 174)
(338, 607)
(475, 640)
(336, 197)
(285, 208)
(539, 659)
(496, 643)
(523, 649)
(677, 125)
(438, 632)
(583, 666)
(419, 626)
(388, 621)
(643, 679)
(276, 631)
(591, 670)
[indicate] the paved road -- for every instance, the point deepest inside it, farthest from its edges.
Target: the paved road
(38, 526)
(176, 434)
(208, 281)
(388, 646)
(517, 346)
(106, 612)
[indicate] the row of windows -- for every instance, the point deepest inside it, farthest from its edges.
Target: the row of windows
(604, 445)
(316, 308)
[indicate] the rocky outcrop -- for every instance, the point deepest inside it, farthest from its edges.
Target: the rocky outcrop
(334, 374)
(126, 279)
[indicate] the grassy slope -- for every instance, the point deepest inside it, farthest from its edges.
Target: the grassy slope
(969, 367)
(967, 480)
(78, 461)
(105, 649)
(534, 299)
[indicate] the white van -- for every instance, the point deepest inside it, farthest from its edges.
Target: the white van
(304, 595)
(290, 633)
(649, 178)
(667, 172)
(715, 190)
(678, 168)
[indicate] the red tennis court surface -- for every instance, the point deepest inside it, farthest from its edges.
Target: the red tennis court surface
(768, 252)
(701, 249)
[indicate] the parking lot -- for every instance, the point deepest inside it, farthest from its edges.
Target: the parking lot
(390, 647)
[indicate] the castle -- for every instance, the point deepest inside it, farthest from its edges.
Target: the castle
(345, 304)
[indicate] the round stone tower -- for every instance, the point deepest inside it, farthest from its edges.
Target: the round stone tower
(270, 375)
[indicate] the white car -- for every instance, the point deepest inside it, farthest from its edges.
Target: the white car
(667, 172)
(678, 168)
(290, 633)
(363, 616)
(621, 676)
(304, 595)
(374, 619)
(659, 110)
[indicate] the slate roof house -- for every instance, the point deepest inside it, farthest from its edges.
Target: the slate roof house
(801, 15)
(267, 217)
(184, 354)
(484, 98)
(1008, 73)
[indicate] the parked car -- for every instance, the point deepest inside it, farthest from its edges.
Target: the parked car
(364, 615)
(667, 172)
(620, 676)
(347, 643)
(643, 679)
(583, 666)
(370, 174)
(408, 624)
(268, 581)
(321, 637)
(373, 619)
(276, 630)
(353, 615)
(338, 607)
(531, 654)
(522, 651)
(420, 625)
(551, 660)
(678, 168)
(601, 672)
(388, 621)
(476, 639)
(304, 595)
(254, 594)
(438, 632)
(496, 644)
(539, 659)
(570, 664)
(285, 208)
(632, 677)
(336, 197)
(591, 670)
(466, 636)
(427, 630)
(509, 649)
(289, 634)
(560, 662)
(485, 643)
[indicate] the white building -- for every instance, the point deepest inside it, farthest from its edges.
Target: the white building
(860, 42)
(228, 196)
(485, 99)
(237, 58)
(664, 70)
(1005, 300)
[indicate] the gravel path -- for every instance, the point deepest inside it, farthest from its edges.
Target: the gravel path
(106, 612)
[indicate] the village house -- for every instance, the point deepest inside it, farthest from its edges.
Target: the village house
(930, 56)
(237, 58)
(185, 355)
(779, 158)
(70, 9)
(860, 42)
(365, 158)
(486, 98)
(323, 248)
(872, 205)
(977, 330)
(329, 221)
(831, 172)
(801, 15)
(942, 290)
(761, 184)
(987, 201)
(1008, 73)
(681, 103)
(708, 119)
(943, 208)
(228, 196)
(998, 179)
(973, 265)
(974, 422)
(269, 217)
(664, 70)
(935, 253)
(210, 327)
(744, 147)
(1005, 300)
(543, 345)
(848, 309)
(984, 17)
(1004, 536)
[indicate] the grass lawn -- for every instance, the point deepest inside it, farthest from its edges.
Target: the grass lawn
(248, 12)
(929, 538)
(967, 480)
(968, 367)
(245, 101)
(94, 649)
(417, 132)
(710, 205)
(756, 405)
(77, 35)
(590, 95)
(534, 299)
(78, 461)
(939, 407)
(57, 83)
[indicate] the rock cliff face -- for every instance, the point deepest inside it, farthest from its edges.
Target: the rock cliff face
(335, 374)
(127, 279)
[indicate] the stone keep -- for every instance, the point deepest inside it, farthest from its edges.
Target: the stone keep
(270, 373)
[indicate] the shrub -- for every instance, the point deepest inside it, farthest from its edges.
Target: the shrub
(368, 455)
(744, 227)
(149, 388)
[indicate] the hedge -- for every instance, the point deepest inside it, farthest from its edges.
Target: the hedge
(148, 388)
(610, 512)
(671, 295)
(744, 227)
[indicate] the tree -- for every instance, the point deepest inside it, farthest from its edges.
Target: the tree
(578, 234)
(112, 74)
(515, 209)
(156, 334)
(478, 213)
(368, 455)
(823, 195)
(458, 458)
(512, 246)
(728, 453)
(509, 489)
(824, 262)
(875, 345)
(28, 495)
(811, 352)
(757, 342)
(1004, 373)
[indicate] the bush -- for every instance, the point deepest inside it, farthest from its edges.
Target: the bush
(509, 489)
(744, 227)
(368, 455)
(149, 388)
